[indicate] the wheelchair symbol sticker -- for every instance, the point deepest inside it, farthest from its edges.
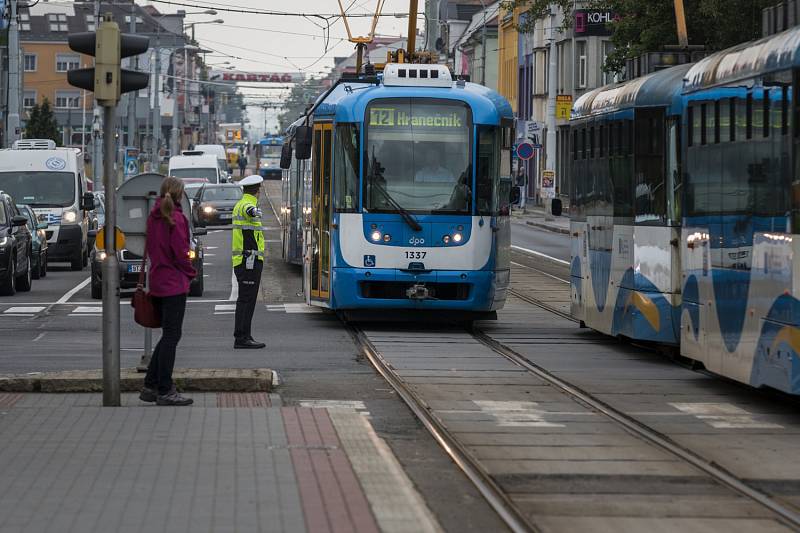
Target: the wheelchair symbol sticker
(369, 261)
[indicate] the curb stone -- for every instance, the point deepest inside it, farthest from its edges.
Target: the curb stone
(186, 379)
(548, 227)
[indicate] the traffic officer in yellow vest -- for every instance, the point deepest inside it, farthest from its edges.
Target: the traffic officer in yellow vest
(248, 259)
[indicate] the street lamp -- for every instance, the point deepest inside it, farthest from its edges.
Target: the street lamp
(193, 24)
(175, 148)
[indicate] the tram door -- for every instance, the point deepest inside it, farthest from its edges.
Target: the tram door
(321, 212)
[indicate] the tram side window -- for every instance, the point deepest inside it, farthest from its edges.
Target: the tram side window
(574, 144)
(346, 165)
(650, 194)
(488, 170)
(741, 119)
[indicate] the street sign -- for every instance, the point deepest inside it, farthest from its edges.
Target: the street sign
(100, 240)
(135, 198)
(563, 106)
(525, 150)
(548, 189)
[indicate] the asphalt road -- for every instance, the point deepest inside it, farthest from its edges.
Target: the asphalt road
(540, 240)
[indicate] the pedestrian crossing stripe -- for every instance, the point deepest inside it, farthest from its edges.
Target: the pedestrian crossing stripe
(18, 310)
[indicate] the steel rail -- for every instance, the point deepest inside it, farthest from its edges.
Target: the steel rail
(491, 492)
(786, 515)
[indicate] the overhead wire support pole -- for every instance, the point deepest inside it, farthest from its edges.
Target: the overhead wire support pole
(14, 83)
(680, 20)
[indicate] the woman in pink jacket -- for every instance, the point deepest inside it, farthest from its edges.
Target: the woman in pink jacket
(171, 272)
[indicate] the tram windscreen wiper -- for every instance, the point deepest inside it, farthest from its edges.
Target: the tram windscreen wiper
(408, 217)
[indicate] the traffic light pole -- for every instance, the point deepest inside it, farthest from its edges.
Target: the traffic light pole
(110, 269)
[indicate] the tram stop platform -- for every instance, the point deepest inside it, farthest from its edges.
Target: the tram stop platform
(231, 462)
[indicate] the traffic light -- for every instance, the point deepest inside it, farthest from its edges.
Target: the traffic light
(107, 80)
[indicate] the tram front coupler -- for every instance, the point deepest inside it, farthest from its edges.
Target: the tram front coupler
(418, 291)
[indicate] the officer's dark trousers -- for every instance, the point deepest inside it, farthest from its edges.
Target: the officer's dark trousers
(249, 281)
(159, 373)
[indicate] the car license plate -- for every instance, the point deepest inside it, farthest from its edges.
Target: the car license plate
(224, 216)
(135, 269)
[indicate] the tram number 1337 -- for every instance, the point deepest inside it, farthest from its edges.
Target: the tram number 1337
(413, 254)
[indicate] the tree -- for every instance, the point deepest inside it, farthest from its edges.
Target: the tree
(300, 97)
(649, 25)
(42, 123)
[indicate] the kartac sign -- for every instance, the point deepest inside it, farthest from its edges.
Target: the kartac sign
(593, 22)
(258, 77)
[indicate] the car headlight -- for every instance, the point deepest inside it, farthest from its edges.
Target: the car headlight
(101, 255)
(192, 254)
(69, 216)
(3, 241)
(208, 209)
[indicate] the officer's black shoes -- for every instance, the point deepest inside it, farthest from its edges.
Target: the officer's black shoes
(148, 395)
(248, 344)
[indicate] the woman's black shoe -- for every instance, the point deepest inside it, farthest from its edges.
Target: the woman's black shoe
(245, 344)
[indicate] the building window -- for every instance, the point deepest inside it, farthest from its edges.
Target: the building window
(608, 77)
(65, 62)
(90, 23)
(30, 62)
(29, 99)
(25, 22)
(582, 63)
(67, 100)
(58, 21)
(138, 20)
(564, 81)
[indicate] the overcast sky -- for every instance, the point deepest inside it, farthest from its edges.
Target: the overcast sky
(269, 43)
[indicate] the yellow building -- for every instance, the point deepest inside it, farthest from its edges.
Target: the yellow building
(45, 66)
(509, 62)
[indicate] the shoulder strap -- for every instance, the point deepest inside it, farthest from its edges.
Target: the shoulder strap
(144, 260)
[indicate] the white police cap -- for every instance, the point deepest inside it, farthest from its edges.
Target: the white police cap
(252, 179)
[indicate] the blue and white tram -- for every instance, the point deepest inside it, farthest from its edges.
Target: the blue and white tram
(715, 221)
(625, 270)
(410, 195)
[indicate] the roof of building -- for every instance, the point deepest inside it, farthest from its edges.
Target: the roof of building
(476, 23)
(54, 21)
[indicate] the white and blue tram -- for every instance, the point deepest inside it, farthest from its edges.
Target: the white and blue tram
(720, 169)
(407, 206)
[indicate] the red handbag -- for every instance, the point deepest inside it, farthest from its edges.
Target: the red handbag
(144, 311)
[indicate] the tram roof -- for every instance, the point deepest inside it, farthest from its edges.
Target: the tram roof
(746, 60)
(660, 88)
(348, 101)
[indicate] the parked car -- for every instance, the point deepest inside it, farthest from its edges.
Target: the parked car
(16, 263)
(213, 204)
(37, 229)
(130, 266)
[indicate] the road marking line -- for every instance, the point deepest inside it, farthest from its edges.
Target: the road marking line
(39, 337)
(224, 313)
(301, 308)
(539, 271)
(207, 264)
(215, 231)
(87, 309)
(210, 255)
(516, 414)
(224, 307)
(211, 247)
(539, 254)
(64, 299)
(84, 314)
(18, 314)
(24, 310)
(234, 287)
(724, 416)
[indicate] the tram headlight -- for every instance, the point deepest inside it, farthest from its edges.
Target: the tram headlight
(446, 239)
(387, 238)
(457, 238)
(376, 236)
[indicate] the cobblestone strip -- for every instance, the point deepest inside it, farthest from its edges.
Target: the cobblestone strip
(398, 507)
(333, 500)
(9, 399)
(243, 399)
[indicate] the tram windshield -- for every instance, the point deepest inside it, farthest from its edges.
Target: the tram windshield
(417, 157)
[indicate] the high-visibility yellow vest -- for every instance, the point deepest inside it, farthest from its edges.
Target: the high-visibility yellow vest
(241, 222)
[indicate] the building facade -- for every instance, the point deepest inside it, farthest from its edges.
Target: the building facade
(525, 69)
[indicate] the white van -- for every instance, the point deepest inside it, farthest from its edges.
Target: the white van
(196, 165)
(217, 150)
(52, 181)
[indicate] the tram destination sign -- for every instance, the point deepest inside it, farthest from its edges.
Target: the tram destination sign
(387, 116)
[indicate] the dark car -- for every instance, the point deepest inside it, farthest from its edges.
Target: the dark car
(37, 229)
(214, 203)
(130, 266)
(15, 248)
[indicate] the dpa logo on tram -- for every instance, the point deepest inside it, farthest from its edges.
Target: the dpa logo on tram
(416, 241)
